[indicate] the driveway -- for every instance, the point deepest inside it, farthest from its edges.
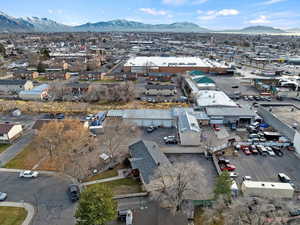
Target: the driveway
(47, 194)
(15, 148)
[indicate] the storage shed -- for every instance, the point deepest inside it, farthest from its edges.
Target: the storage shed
(267, 189)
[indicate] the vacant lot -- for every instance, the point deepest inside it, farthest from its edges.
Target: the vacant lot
(267, 168)
(12, 215)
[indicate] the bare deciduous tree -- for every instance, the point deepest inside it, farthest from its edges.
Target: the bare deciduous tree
(172, 184)
(116, 136)
(64, 144)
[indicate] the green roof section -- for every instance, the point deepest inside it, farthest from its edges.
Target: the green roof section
(203, 80)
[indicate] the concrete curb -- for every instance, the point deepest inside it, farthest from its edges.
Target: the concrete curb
(28, 207)
(141, 194)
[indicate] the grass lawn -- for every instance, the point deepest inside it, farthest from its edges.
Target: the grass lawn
(3, 147)
(103, 175)
(106, 174)
(123, 186)
(20, 161)
(12, 215)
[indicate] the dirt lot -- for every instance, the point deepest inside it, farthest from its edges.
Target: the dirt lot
(267, 168)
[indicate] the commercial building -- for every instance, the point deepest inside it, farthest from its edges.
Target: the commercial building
(267, 189)
(211, 98)
(234, 117)
(173, 65)
(189, 131)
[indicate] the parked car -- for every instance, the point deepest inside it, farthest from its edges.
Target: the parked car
(151, 129)
(89, 117)
(246, 178)
(223, 161)
(262, 150)
(3, 196)
(29, 174)
(270, 151)
(277, 151)
(228, 167)
(170, 140)
(294, 212)
(247, 151)
(284, 178)
(233, 175)
(125, 215)
(250, 98)
(74, 192)
(59, 116)
(253, 150)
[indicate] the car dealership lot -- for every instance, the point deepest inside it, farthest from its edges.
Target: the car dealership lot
(262, 168)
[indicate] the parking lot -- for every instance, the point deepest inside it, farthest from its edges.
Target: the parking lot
(262, 168)
(205, 174)
(46, 193)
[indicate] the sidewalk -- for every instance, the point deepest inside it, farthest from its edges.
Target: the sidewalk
(28, 207)
(121, 175)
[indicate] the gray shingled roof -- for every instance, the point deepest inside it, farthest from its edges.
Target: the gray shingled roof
(146, 157)
(13, 82)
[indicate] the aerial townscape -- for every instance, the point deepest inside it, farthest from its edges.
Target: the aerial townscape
(149, 122)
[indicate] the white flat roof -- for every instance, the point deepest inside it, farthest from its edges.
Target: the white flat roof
(213, 98)
(268, 185)
(156, 61)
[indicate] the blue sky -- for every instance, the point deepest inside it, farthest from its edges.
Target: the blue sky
(213, 14)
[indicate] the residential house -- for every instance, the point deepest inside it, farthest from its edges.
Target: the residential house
(9, 132)
(15, 86)
(146, 159)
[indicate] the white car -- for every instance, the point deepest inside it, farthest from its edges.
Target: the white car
(29, 174)
(3, 196)
(233, 174)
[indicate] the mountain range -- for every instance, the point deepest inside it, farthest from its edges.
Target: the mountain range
(36, 24)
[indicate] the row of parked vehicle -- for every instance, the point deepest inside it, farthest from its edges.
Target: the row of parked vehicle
(260, 149)
(257, 98)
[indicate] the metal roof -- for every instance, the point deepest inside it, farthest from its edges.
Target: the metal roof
(187, 122)
(148, 114)
(115, 113)
(225, 111)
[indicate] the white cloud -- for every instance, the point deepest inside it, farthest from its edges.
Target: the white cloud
(57, 11)
(212, 14)
(271, 2)
(228, 12)
(154, 12)
(174, 2)
(198, 2)
(260, 20)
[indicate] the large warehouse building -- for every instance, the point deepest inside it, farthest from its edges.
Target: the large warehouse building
(173, 65)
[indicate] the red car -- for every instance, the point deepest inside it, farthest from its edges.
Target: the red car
(247, 151)
(228, 167)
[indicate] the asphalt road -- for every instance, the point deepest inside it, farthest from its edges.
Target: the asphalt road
(47, 193)
(15, 148)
